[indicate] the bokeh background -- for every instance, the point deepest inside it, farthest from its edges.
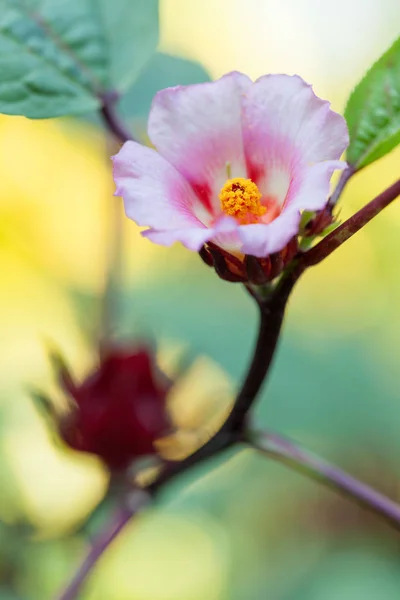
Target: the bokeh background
(242, 528)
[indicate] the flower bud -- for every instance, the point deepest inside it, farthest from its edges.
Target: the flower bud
(119, 410)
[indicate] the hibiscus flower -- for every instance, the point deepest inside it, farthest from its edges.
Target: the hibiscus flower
(234, 164)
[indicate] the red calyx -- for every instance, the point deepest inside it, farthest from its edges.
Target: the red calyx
(119, 410)
(250, 269)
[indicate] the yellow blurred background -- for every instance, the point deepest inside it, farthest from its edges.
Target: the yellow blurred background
(247, 529)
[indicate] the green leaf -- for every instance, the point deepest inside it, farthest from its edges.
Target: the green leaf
(58, 56)
(306, 217)
(131, 30)
(373, 111)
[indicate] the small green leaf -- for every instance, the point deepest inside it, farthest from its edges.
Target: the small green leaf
(330, 228)
(306, 217)
(373, 111)
(58, 57)
(306, 243)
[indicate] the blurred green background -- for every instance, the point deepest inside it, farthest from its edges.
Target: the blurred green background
(242, 527)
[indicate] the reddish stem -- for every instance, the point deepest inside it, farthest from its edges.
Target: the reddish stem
(111, 118)
(347, 229)
(344, 178)
(295, 456)
(119, 520)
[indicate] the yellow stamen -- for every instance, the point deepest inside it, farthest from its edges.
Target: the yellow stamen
(240, 198)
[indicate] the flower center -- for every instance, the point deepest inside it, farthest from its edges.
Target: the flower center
(240, 198)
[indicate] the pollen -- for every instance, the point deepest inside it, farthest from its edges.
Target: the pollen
(240, 198)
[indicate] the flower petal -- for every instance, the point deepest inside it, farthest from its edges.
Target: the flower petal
(310, 189)
(285, 120)
(261, 240)
(198, 129)
(193, 238)
(154, 193)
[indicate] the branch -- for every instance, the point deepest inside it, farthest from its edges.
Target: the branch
(111, 118)
(113, 275)
(272, 310)
(109, 308)
(119, 520)
(347, 229)
(139, 497)
(344, 178)
(298, 458)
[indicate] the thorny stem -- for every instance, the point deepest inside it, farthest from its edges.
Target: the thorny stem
(290, 453)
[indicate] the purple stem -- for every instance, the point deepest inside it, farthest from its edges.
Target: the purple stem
(289, 452)
(118, 521)
(111, 118)
(347, 229)
(344, 178)
(272, 312)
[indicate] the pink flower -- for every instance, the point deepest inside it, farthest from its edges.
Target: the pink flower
(235, 163)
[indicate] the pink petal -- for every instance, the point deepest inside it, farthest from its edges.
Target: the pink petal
(310, 189)
(284, 118)
(261, 240)
(192, 238)
(198, 129)
(225, 234)
(154, 193)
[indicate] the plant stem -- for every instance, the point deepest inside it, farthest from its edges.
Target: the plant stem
(272, 310)
(295, 456)
(111, 118)
(343, 180)
(113, 273)
(347, 229)
(118, 521)
(113, 276)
